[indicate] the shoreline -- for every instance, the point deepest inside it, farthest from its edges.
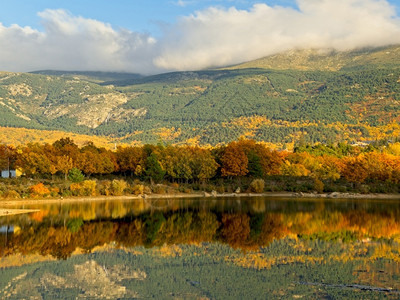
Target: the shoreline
(334, 195)
(13, 212)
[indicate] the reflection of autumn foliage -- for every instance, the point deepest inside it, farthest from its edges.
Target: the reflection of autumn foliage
(131, 234)
(96, 234)
(272, 228)
(38, 216)
(58, 232)
(236, 229)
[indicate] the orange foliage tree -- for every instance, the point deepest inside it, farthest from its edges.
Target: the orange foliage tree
(234, 161)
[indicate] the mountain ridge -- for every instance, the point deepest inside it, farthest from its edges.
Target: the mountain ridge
(325, 59)
(359, 91)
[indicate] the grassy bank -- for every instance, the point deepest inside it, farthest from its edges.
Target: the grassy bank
(110, 186)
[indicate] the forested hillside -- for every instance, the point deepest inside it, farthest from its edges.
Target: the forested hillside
(302, 96)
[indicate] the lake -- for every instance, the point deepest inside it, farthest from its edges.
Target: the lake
(225, 248)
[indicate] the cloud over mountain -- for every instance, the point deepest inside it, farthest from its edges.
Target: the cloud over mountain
(211, 37)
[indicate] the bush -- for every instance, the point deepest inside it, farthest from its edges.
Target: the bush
(138, 189)
(158, 189)
(66, 193)
(318, 185)
(11, 194)
(220, 189)
(257, 186)
(105, 187)
(175, 185)
(89, 186)
(39, 190)
(118, 187)
(54, 192)
(364, 189)
(85, 188)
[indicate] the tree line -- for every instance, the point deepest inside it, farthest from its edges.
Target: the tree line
(194, 164)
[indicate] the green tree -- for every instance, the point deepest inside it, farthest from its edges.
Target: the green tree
(153, 168)
(75, 175)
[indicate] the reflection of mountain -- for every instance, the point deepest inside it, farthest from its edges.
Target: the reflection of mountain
(90, 279)
(288, 268)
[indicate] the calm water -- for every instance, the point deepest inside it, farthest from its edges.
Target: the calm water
(232, 248)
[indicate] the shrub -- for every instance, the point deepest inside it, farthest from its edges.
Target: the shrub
(39, 190)
(257, 186)
(117, 187)
(54, 192)
(138, 189)
(175, 185)
(67, 193)
(220, 189)
(89, 186)
(85, 188)
(318, 185)
(158, 189)
(11, 194)
(105, 187)
(364, 189)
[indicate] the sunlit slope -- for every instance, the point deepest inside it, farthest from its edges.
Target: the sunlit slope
(327, 59)
(309, 95)
(22, 136)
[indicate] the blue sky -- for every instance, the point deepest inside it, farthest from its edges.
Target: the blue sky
(159, 36)
(136, 15)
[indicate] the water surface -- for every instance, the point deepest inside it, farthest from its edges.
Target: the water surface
(253, 248)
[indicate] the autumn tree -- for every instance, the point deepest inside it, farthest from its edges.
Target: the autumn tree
(234, 161)
(93, 160)
(203, 164)
(64, 164)
(130, 159)
(355, 169)
(32, 160)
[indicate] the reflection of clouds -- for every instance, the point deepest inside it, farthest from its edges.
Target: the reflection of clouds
(211, 37)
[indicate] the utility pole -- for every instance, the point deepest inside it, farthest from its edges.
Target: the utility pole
(8, 164)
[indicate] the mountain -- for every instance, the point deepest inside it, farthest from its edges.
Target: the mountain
(305, 95)
(97, 77)
(328, 59)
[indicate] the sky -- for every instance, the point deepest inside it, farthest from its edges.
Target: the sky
(154, 36)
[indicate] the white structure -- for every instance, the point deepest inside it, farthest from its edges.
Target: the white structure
(8, 173)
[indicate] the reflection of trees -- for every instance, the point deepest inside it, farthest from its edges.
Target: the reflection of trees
(131, 234)
(235, 229)
(59, 235)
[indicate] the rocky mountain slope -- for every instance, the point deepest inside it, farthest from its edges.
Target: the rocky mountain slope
(306, 95)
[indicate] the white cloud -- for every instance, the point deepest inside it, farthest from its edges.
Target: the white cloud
(217, 37)
(211, 37)
(182, 3)
(74, 43)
